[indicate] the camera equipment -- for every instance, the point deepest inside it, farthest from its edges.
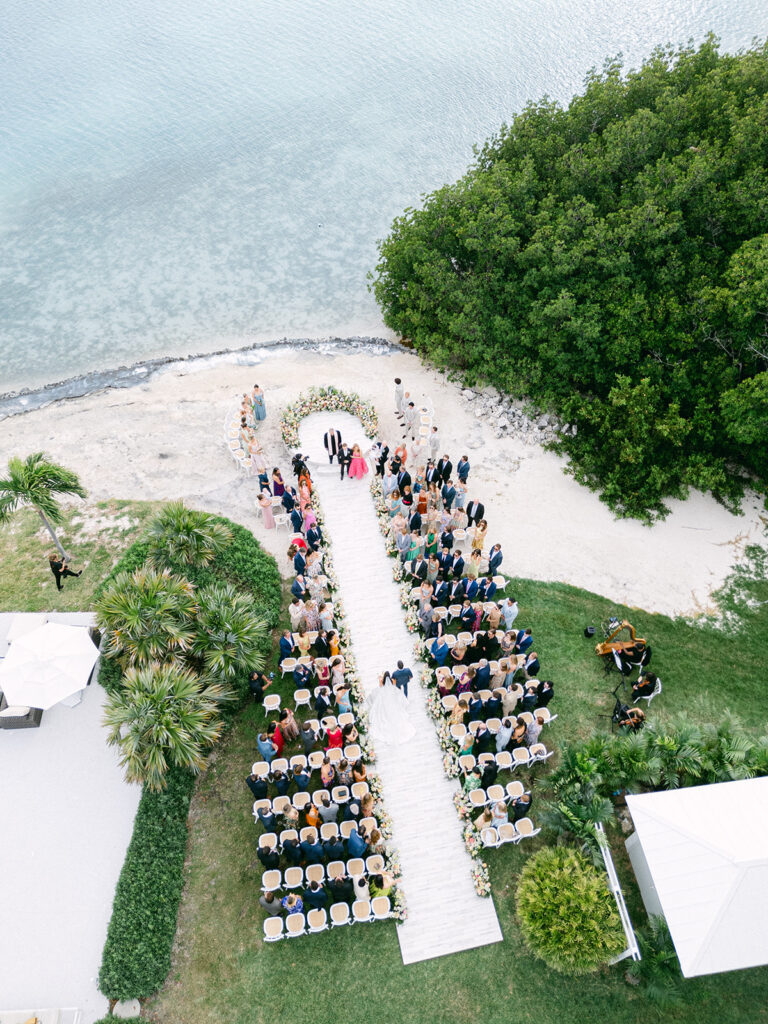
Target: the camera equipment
(589, 632)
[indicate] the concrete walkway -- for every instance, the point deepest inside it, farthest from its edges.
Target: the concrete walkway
(444, 913)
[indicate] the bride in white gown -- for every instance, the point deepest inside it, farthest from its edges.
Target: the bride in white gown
(388, 714)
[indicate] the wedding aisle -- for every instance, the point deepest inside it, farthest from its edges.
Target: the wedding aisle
(445, 915)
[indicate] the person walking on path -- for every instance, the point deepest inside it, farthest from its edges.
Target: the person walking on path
(257, 404)
(402, 676)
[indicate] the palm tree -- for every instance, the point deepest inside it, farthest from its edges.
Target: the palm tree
(147, 616)
(229, 636)
(35, 481)
(162, 715)
(181, 534)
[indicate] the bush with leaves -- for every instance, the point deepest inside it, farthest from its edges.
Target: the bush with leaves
(183, 535)
(658, 973)
(163, 715)
(228, 635)
(567, 915)
(610, 261)
(137, 953)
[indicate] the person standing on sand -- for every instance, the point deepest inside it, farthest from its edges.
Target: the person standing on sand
(399, 391)
(60, 569)
(257, 404)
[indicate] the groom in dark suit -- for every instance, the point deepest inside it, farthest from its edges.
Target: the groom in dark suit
(345, 458)
(332, 442)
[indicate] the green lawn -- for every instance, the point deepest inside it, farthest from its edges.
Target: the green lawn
(223, 972)
(94, 535)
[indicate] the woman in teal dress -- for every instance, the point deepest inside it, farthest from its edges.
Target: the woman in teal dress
(257, 402)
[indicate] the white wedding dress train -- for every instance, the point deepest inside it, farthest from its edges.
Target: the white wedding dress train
(388, 717)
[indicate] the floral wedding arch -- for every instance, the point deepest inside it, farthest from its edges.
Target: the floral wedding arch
(327, 399)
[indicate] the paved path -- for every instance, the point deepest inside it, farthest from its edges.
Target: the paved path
(444, 913)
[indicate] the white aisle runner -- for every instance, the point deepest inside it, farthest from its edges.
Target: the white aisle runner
(445, 914)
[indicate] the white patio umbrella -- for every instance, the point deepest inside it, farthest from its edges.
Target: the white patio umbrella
(47, 664)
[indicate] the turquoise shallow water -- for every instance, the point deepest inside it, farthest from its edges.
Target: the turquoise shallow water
(176, 177)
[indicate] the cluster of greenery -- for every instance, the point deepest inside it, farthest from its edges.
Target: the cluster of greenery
(663, 756)
(610, 261)
(185, 621)
(182, 638)
(137, 953)
(567, 915)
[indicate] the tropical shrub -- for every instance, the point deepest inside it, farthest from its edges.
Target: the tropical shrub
(162, 715)
(610, 261)
(146, 616)
(658, 973)
(183, 535)
(228, 635)
(567, 915)
(137, 953)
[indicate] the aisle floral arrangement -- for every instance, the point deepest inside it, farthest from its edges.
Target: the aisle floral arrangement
(326, 399)
(434, 708)
(358, 696)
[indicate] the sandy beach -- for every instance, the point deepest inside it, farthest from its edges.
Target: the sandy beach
(165, 438)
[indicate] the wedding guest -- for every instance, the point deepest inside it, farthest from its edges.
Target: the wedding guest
(344, 773)
(289, 727)
(257, 403)
(495, 558)
(270, 901)
(60, 569)
(308, 738)
(267, 516)
(278, 484)
(478, 540)
(504, 735)
(327, 774)
(258, 786)
(277, 737)
(266, 748)
(359, 773)
(257, 684)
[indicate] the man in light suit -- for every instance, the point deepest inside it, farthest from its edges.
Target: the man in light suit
(475, 512)
(434, 443)
(332, 443)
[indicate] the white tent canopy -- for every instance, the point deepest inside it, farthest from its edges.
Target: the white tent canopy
(700, 855)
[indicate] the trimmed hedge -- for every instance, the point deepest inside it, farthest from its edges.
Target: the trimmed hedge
(567, 914)
(137, 953)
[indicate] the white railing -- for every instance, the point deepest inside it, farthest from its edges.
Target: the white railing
(614, 885)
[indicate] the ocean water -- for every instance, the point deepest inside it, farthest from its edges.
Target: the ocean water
(179, 177)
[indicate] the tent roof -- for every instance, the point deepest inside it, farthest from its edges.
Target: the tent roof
(707, 851)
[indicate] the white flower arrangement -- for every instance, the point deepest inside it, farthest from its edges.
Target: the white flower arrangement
(326, 399)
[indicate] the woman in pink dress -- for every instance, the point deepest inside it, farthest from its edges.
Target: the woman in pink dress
(358, 466)
(305, 495)
(265, 502)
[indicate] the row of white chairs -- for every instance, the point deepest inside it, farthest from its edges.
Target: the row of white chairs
(363, 911)
(480, 798)
(301, 800)
(273, 841)
(299, 878)
(509, 833)
(312, 761)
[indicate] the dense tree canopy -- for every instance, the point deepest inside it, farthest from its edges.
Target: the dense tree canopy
(610, 261)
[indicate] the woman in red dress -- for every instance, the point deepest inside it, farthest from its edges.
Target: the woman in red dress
(335, 738)
(278, 739)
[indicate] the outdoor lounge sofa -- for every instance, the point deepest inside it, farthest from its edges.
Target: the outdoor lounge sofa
(18, 717)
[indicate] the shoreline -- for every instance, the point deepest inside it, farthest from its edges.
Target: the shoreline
(165, 439)
(18, 402)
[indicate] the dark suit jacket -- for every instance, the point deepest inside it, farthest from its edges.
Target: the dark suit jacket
(403, 479)
(316, 899)
(292, 850)
(467, 616)
(524, 643)
(483, 677)
(344, 456)
(475, 511)
(495, 561)
(440, 593)
(445, 561)
(462, 470)
(288, 501)
(299, 562)
(471, 591)
(444, 468)
(456, 592)
(286, 648)
(534, 667)
(313, 852)
(414, 522)
(446, 539)
(322, 647)
(419, 568)
(269, 858)
(432, 475)
(314, 537)
(493, 707)
(458, 566)
(297, 589)
(297, 519)
(448, 494)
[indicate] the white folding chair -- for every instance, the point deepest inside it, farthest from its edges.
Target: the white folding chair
(525, 828)
(295, 924)
(260, 769)
(315, 873)
(539, 752)
(650, 696)
(381, 908)
(317, 920)
(490, 837)
(520, 757)
(287, 665)
(272, 703)
(514, 790)
(355, 867)
(339, 915)
(508, 833)
(374, 864)
(503, 760)
(478, 798)
(282, 519)
(361, 911)
(270, 881)
(273, 929)
(360, 789)
(301, 698)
